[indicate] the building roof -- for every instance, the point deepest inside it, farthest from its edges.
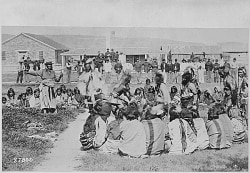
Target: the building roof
(41, 39)
(83, 51)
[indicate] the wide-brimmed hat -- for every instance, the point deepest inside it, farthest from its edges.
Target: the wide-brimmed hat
(89, 61)
(49, 63)
(113, 102)
(102, 108)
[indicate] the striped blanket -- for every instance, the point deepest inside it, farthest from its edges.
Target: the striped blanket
(227, 126)
(217, 135)
(183, 139)
(202, 136)
(239, 130)
(155, 134)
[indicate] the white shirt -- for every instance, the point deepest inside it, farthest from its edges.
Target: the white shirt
(34, 102)
(233, 64)
(107, 67)
(101, 128)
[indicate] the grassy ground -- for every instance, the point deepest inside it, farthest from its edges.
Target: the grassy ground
(16, 144)
(232, 159)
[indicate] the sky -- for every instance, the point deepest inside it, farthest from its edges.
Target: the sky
(205, 35)
(142, 18)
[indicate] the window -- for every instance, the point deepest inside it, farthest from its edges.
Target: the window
(40, 54)
(3, 55)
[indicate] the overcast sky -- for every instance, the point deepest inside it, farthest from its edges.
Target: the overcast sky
(160, 14)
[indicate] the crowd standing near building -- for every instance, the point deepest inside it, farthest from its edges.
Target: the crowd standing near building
(156, 118)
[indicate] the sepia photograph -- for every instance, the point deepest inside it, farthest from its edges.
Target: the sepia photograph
(122, 98)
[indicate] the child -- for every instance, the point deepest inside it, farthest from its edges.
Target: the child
(133, 136)
(78, 97)
(59, 98)
(11, 101)
(139, 98)
(34, 100)
(23, 101)
(71, 99)
(64, 93)
(29, 92)
(4, 102)
(149, 92)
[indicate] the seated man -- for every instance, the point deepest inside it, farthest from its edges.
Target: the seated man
(95, 127)
(133, 137)
(183, 139)
(155, 133)
(215, 129)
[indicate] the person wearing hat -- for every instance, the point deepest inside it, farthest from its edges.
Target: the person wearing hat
(138, 68)
(154, 67)
(95, 127)
(20, 72)
(176, 70)
(47, 93)
(209, 68)
(216, 71)
(146, 66)
(229, 80)
(234, 68)
(164, 70)
(89, 81)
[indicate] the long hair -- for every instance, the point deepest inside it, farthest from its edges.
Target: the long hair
(186, 77)
(11, 90)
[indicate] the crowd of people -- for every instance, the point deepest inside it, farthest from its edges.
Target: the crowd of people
(30, 98)
(155, 120)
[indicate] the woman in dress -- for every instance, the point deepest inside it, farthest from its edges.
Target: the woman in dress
(47, 93)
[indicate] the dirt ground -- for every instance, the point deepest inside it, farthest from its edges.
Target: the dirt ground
(66, 154)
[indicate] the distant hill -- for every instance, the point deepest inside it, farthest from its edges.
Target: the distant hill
(6, 37)
(97, 42)
(86, 41)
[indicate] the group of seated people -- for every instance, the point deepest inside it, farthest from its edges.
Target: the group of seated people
(140, 130)
(65, 97)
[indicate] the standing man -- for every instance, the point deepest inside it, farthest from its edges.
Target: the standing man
(47, 93)
(154, 68)
(20, 72)
(79, 68)
(26, 70)
(176, 70)
(147, 66)
(138, 67)
(69, 66)
(209, 68)
(234, 69)
(168, 71)
(216, 71)
(163, 69)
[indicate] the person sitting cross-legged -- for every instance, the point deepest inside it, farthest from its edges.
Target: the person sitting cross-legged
(155, 133)
(34, 100)
(95, 127)
(133, 136)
